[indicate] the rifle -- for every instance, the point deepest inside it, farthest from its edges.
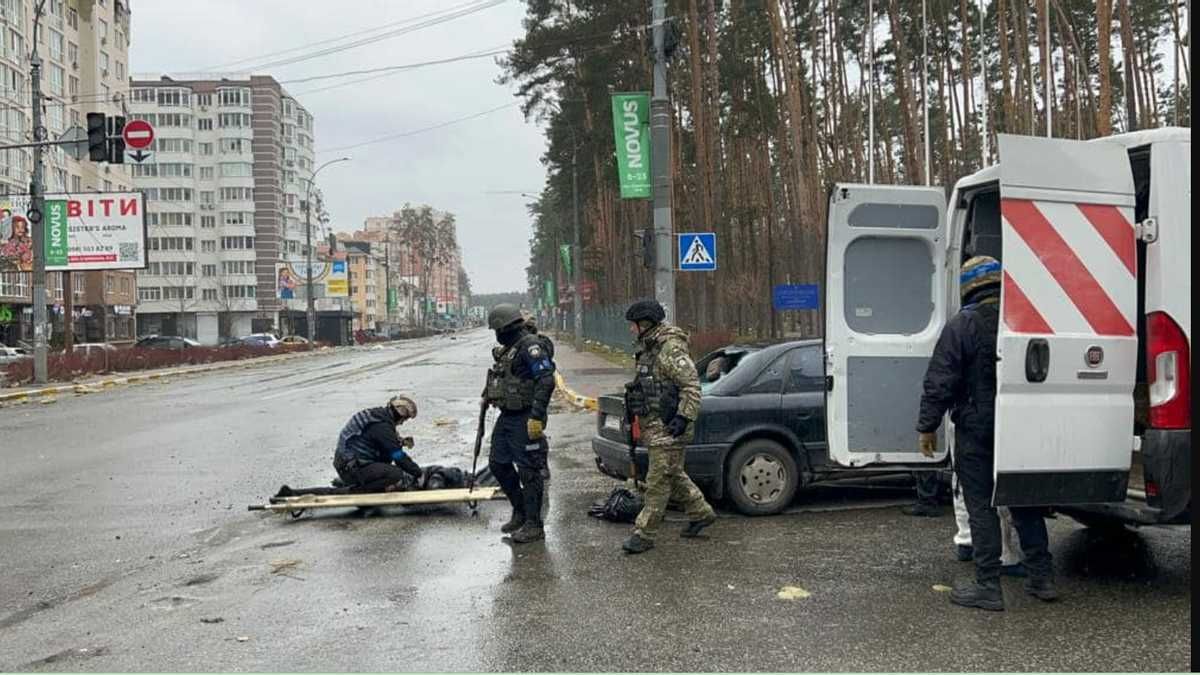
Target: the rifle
(630, 421)
(483, 407)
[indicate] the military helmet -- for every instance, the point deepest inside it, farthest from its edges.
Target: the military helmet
(504, 316)
(646, 310)
(979, 272)
(403, 407)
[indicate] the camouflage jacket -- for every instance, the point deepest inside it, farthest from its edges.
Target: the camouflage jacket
(664, 350)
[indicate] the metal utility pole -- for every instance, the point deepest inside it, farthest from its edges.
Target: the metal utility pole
(660, 164)
(37, 204)
(311, 316)
(871, 92)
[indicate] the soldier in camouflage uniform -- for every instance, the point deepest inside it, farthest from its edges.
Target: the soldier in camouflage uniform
(665, 398)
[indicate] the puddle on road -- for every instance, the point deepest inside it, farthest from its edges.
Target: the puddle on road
(1108, 554)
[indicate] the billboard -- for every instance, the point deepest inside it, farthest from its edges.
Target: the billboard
(330, 279)
(89, 231)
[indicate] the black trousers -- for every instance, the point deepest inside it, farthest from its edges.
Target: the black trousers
(519, 464)
(974, 462)
(373, 477)
(927, 487)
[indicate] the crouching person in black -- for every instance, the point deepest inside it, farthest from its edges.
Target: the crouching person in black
(371, 456)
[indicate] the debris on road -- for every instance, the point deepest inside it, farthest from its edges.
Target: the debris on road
(243, 638)
(215, 619)
(792, 593)
(285, 565)
(444, 422)
(941, 588)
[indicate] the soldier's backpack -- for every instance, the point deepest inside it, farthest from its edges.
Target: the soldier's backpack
(621, 506)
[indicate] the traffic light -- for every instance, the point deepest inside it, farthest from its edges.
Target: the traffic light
(97, 137)
(116, 140)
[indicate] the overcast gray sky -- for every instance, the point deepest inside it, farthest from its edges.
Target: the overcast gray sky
(449, 168)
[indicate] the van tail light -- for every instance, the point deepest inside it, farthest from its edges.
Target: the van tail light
(1168, 362)
(1151, 490)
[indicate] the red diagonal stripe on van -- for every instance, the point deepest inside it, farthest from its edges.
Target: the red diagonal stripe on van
(1116, 231)
(1019, 313)
(1067, 269)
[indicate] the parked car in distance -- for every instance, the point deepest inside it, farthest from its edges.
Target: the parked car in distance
(261, 340)
(230, 341)
(90, 348)
(12, 354)
(166, 342)
(294, 340)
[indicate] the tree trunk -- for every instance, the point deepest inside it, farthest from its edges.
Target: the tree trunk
(1006, 103)
(913, 162)
(1132, 88)
(968, 124)
(1104, 41)
(1044, 54)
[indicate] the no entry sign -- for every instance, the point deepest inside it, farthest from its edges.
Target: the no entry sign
(138, 134)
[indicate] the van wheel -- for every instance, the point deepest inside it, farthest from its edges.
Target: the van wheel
(762, 477)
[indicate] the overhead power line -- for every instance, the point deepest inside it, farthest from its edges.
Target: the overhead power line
(405, 134)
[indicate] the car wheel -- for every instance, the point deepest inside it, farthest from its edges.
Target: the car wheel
(761, 477)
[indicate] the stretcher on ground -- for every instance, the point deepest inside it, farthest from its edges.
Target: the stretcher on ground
(298, 504)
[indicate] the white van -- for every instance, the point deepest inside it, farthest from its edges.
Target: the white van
(1095, 241)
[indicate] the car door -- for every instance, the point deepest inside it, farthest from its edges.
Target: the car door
(760, 400)
(885, 305)
(1067, 343)
(803, 405)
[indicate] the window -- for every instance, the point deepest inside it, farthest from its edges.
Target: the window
(120, 71)
(237, 194)
(233, 120)
(73, 54)
(210, 294)
(103, 26)
(175, 219)
(73, 18)
(208, 245)
(76, 184)
(175, 194)
(173, 145)
(206, 173)
(206, 148)
(174, 98)
(144, 170)
(237, 169)
(56, 45)
(145, 293)
(806, 370)
(175, 170)
(204, 124)
(143, 95)
(233, 146)
(234, 243)
(73, 88)
(182, 120)
(234, 97)
(208, 270)
(206, 196)
(237, 267)
(208, 222)
(770, 381)
(204, 99)
(104, 62)
(239, 291)
(57, 77)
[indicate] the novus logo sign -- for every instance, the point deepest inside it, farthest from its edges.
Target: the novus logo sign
(56, 233)
(631, 129)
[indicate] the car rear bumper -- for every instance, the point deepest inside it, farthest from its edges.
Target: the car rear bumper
(1167, 462)
(703, 463)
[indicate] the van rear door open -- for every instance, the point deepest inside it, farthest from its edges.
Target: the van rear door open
(885, 307)
(1067, 342)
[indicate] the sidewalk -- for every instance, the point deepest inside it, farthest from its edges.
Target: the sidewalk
(586, 375)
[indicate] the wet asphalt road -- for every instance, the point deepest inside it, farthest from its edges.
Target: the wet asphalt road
(125, 545)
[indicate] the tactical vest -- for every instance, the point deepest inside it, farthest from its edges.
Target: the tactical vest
(505, 389)
(651, 396)
(350, 445)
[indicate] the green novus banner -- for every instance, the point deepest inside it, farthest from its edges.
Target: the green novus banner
(56, 233)
(631, 127)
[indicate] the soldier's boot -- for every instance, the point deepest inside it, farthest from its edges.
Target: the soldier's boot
(636, 544)
(531, 530)
(1041, 588)
(981, 595)
(694, 527)
(514, 523)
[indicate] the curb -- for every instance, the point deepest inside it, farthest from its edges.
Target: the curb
(92, 387)
(578, 400)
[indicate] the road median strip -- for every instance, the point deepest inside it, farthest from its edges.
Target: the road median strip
(574, 398)
(110, 382)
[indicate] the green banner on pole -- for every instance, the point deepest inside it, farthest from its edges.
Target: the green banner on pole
(565, 252)
(56, 233)
(631, 128)
(551, 300)
(391, 299)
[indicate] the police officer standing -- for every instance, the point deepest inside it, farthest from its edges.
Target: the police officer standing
(665, 398)
(961, 379)
(520, 384)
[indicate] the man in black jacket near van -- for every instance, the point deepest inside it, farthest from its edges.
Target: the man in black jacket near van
(961, 379)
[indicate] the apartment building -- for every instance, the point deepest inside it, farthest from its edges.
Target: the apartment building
(432, 285)
(84, 47)
(225, 186)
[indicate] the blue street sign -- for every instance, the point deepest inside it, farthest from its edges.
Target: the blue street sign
(697, 251)
(796, 296)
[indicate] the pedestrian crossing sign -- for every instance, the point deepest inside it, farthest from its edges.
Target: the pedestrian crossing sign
(697, 251)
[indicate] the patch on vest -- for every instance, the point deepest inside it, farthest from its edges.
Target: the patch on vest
(535, 351)
(682, 363)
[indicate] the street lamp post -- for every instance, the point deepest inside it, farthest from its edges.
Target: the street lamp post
(311, 301)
